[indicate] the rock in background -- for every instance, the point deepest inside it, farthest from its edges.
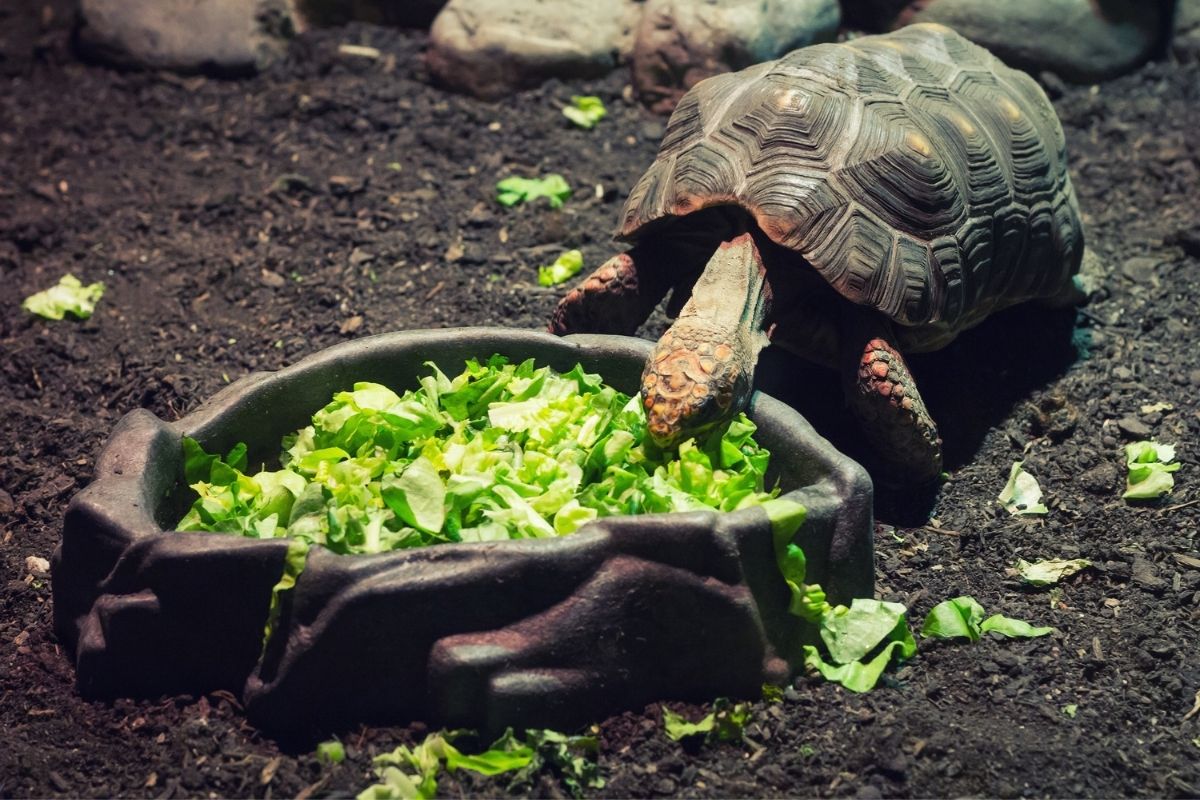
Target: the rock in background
(1079, 40)
(1186, 45)
(491, 48)
(224, 36)
(681, 42)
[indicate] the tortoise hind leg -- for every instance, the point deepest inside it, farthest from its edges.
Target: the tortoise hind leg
(883, 396)
(616, 298)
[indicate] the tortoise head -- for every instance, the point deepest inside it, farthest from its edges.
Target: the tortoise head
(702, 370)
(689, 386)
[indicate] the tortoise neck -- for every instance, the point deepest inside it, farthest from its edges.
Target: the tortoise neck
(732, 295)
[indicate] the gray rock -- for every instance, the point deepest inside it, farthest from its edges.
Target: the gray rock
(490, 48)
(1134, 428)
(1101, 479)
(1079, 40)
(681, 42)
(1187, 15)
(1140, 269)
(227, 36)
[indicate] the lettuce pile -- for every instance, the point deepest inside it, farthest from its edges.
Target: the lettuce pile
(500, 452)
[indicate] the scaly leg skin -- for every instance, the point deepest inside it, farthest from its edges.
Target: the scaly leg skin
(883, 396)
(616, 298)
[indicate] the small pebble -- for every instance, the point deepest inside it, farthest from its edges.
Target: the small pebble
(1134, 428)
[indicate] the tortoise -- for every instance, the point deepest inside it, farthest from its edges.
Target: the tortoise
(847, 202)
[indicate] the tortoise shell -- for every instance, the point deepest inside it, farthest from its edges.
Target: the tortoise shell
(913, 170)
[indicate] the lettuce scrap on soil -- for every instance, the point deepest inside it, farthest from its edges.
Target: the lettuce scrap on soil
(502, 451)
(565, 267)
(1150, 465)
(962, 618)
(407, 773)
(585, 111)
(553, 187)
(68, 296)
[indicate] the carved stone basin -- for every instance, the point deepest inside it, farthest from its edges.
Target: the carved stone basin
(546, 633)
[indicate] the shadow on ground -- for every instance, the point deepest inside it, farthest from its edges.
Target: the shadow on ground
(971, 387)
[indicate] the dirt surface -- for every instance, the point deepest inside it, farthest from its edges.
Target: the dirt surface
(241, 225)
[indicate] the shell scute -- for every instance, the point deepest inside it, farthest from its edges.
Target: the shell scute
(913, 171)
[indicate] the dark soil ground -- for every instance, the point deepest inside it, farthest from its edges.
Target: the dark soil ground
(240, 225)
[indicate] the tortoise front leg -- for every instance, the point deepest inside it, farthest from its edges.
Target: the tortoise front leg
(883, 396)
(616, 298)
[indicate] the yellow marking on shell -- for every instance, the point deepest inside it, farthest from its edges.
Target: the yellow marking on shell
(700, 390)
(723, 352)
(962, 123)
(791, 99)
(1009, 108)
(919, 143)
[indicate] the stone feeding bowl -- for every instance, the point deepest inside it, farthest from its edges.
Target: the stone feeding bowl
(541, 633)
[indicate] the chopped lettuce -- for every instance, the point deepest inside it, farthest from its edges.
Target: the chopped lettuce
(585, 111)
(962, 618)
(411, 773)
(553, 187)
(1044, 573)
(725, 723)
(1150, 465)
(564, 268)
(331, 752)
(68, 296)
(1021, 495)
(851, 635)
(501, 451)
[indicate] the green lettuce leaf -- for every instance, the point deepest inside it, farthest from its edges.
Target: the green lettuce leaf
(1012, 628)
(565, 267)
(856, 676)
(331, 752)
(1021, 495)
(963, 618)
(553, 187)
(1149, 467)
(852, 634)
(585, 111)
(500, 451)
(725, 723)
(68, 296)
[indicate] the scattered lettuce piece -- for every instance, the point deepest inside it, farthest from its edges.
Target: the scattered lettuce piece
(585, 111)
(331, 752)
(725, 723)
(293, 565)
(787, 517)
(772, 693)
(553, 187)
(501, 451)
(411, 773)
(1045, 573)
(962, 617)
(1150, 468)
(572, 758)
(1012, 628)
(1070, 709)
(851, 634)
(564, 267)
(68, 296)
(1021, 495)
